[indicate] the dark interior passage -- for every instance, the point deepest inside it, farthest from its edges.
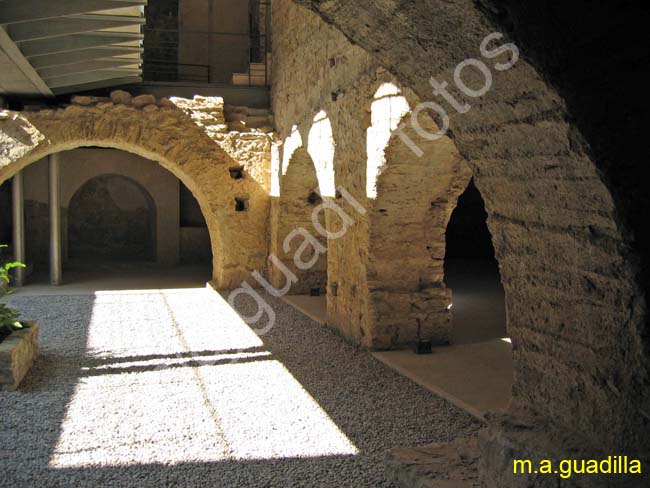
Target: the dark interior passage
(195, 247)
(472, 272)
(5, 219)
(119, 215)
(5, 212)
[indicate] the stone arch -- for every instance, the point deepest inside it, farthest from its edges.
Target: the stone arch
(576, 299)
(472, 273)
(411, 199)
(321, 148)
(167, 135)
(111, 216)
(159, 183)
(299, 195)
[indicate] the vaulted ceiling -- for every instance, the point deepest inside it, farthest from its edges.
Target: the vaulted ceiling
(52, 47)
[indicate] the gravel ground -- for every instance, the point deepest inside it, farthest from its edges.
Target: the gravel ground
(173, 389)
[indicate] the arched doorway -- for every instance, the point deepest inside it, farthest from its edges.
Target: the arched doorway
(472, 272)
(576, 296)
(122, 216)
(111, 218)
(166, 134)
(411, 199)
(292, 210)
(431, 265)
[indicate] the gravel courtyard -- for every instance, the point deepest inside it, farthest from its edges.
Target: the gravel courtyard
(171, 388)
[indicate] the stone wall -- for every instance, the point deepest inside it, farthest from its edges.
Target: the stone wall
(112, 218)
(311, 63)
(385, 275)
(160, 184)
(187, 137)
(292, 210)
(574, 291)
(408, 218)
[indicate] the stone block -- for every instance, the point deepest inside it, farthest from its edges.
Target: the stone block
(17, 355)
(143, 100)
(121, 97)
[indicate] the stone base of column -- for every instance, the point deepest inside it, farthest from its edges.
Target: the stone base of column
(509, 437)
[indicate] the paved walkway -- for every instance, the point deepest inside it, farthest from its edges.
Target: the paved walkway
(171, 388)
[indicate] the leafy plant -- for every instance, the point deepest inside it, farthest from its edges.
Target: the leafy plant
(8, 316)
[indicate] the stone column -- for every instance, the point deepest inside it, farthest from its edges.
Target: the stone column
(55, 219)
(18, 206)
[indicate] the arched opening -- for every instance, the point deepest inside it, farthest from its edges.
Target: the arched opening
(321, 148)
(295, 242)
(111, 218)
(178, 144)
(300, 219)
(121, 216)
(194, 247)
(472, 272)
(434, 279)
(411, 199)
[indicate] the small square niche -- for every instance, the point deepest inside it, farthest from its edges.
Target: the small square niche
(236, 172)
(241, 204)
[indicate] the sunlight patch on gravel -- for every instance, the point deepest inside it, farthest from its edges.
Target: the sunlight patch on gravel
(180, 377)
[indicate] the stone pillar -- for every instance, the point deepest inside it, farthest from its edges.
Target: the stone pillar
(55, 219)
(18, 206)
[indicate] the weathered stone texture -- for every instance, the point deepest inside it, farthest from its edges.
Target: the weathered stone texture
(386, 283)
(17, 354)
(415, 199)
(293, 210)
(562, 246)
(112, 217)
(527, 437)
(304, 50)
(453, 465)
(200, 154)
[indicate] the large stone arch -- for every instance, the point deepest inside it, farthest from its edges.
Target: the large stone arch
(167, 134)
(410, 207)
(576, 311)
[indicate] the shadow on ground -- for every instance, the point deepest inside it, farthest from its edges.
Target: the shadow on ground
(107, 403)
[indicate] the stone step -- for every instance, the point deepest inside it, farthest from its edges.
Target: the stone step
(241, 79)
(250, 120)
(257, 68)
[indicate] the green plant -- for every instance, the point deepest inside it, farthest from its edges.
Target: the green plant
(8, 316)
